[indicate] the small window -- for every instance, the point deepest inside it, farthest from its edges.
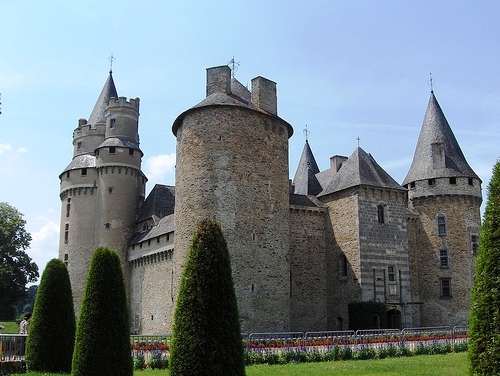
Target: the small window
(444, 260)
(66, 259)
(380, 214)
(66, 232)
(107, 226)
(431, 181)
(453, 180)
(79, 145)
(471, 181)
(445, 287)
(412, 184)
(68, 208)
(84, 171)
(130, 151)
(342, 265)
(112, 150)
(391, 271)
(67, 175)
(441, 220)
(474, 241)
(110, 190)
(112, 123)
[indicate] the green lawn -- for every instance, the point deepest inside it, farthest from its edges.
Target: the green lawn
(10, 327)
(454, 364)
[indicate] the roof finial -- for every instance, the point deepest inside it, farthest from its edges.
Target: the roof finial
(357, 138)
(431, 82)
(111, 58)
(234, 66)
(306, 133)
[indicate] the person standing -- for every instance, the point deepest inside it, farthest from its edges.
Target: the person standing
(25, 324)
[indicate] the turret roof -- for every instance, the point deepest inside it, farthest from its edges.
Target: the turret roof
(437, 132)
(108, 91)
(359, 169)
(305, 181)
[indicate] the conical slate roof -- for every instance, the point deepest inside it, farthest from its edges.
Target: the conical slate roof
(436, 138)
(305, 181)
(108, 91)
(360, 169)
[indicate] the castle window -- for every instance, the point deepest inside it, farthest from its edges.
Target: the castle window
(453, 180)
(67, 175)
(66, 232)
(168, 237)
(342, 267)
(441, 221)
(130, 151)
(380, 214)
(110, 190)
(107, 226)
(471, 181)
(112, 123)
(391, 273)
(68, 207)
(84, 171)
(412, 184)
(158, 239)
(112, 150)
(444, 258)
(431, 181)
(474, 242)
(66, 259)
(445, 287)
(79, 145)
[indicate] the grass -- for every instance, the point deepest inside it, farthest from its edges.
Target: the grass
(10, 327)
(454, 364)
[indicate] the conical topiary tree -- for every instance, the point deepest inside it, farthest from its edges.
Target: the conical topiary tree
(49, 347)
(102, 344)
(484, 319)
(206, 334)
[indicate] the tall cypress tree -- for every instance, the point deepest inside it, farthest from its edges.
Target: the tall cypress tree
(49, 346)
(102, 344)
(484, 319)
(206, 334)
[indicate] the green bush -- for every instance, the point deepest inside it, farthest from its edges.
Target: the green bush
(364, 353)
(49, 347)
(102, 344)
(206, 333)
(484, 317)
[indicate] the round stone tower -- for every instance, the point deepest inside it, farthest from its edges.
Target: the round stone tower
(230, 153)
(446, 194)
(102, 187)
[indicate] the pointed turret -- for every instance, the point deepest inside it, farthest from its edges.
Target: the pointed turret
(108, 91)
(305, 181)
(437, 154)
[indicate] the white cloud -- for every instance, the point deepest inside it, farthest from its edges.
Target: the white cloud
(5, 147)
(158, 166)
(44, 243)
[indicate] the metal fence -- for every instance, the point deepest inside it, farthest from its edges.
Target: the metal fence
(12, 347)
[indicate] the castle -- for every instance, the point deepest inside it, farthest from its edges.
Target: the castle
(300, 251)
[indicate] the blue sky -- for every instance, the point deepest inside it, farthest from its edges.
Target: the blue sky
(346, 69)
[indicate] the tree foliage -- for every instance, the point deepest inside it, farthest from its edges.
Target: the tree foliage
(16, 267)
(484, 318)
(206, 334)
(28, 304)
(49, 347)
(102, 343)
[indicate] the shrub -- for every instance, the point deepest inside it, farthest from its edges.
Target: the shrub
(364, 353)
(102, 343)
(206, 333)
(139, 362)
(484, 317)
(49, 347)
(158, 360)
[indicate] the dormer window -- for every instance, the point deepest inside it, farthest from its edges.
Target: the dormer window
(112, 150)
(412, 184)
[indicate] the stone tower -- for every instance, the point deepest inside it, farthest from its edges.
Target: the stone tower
(445, 193)
(103, 186)
(232, 165)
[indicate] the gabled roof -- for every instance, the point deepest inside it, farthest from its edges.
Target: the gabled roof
(108, 91)
(305, 182)
(160, 202)
(436, 134)
(359, 169)
(164, 226)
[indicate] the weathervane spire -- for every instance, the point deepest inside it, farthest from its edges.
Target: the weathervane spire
(306, 133)
(431, 82)
(111, 58)
(358, 139)
(234, 66)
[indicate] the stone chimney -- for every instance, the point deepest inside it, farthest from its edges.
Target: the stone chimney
(264, 94)
(219, 80)
(336, 163)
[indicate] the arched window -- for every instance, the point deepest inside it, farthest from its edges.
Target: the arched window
(380, 214)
